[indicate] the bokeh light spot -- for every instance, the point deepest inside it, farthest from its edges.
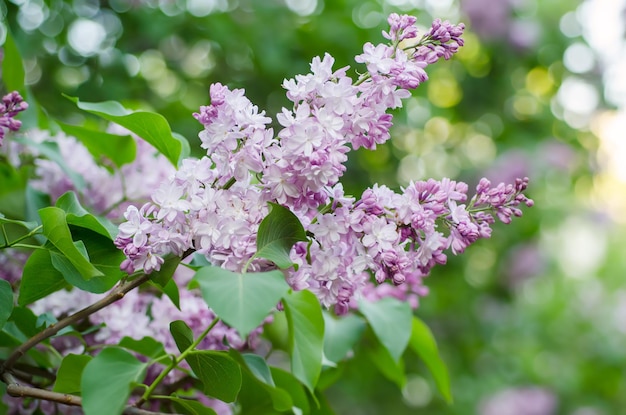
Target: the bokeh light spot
(86, 36)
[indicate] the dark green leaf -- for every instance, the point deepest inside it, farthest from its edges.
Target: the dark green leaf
(341, 334)
(71, 275)
(69, 374)
(277, 234)
(78, 216)
(120, 149)
(150, 126)
(392, 369)
(6, 301)
(289, 383)
(170, 290)
(391, 321)
(424, 344)
(39, 278)
(12, 66)
(182, 334)
(219, 373)
(58, 233)
(107, 381)
(256, 396)
(306, 336)
(164, 275)
(189, 407)
(241, 300)
(147, 346)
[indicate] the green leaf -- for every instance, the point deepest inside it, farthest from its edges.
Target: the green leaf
(39, 278)
(69, 374)
(164, 275)
(182, 334)
(258, 367)
(170, 290)
(392, 369)
(277, 234)
(147, 346)
(189, 407)
(294, 388)
(219, 373)
(12, 66)
(341, 334)
(306, 336)
(256, 396)
(120, 149)
(71, 275)
(391, 321)
(423, 343)
(243, 301)
(76, 215)
(6, 302)
(28, 225)
(150, 126)
(58, 233)
(107, 381)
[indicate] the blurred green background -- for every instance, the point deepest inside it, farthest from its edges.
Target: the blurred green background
(530, 322)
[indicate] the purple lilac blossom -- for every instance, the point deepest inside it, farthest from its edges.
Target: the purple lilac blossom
(520, 401)
(214, 205)
(11, 105)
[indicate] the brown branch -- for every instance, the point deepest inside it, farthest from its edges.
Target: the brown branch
(116, 294)
(20, 391)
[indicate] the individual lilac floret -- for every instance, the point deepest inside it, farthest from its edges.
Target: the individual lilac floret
(12, 104)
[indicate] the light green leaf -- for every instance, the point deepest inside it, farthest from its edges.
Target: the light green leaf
(147, 346)
(6, 302)
(108, 379)
(243, 301)
(39, 278)
(150, 126)
(277, 234)
(58, 233)
(306, 336)
(258, 367)
(69, 374)
(424, 344)
(12, 66)
(120, 149)
(390, 320)
(341, 334)
(78, 216)
(219, 373)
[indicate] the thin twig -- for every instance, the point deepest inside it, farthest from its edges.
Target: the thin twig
(20, 391)
(115, 295)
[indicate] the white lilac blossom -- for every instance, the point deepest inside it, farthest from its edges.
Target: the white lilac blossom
(11, 105)
(214, 205)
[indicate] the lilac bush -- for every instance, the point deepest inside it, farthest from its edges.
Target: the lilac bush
(259, 228)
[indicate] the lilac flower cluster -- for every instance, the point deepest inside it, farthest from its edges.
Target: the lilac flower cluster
(214, 205)
(396, 237)
(11, 105)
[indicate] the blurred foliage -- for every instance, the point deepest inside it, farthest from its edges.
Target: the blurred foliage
(539, 304)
